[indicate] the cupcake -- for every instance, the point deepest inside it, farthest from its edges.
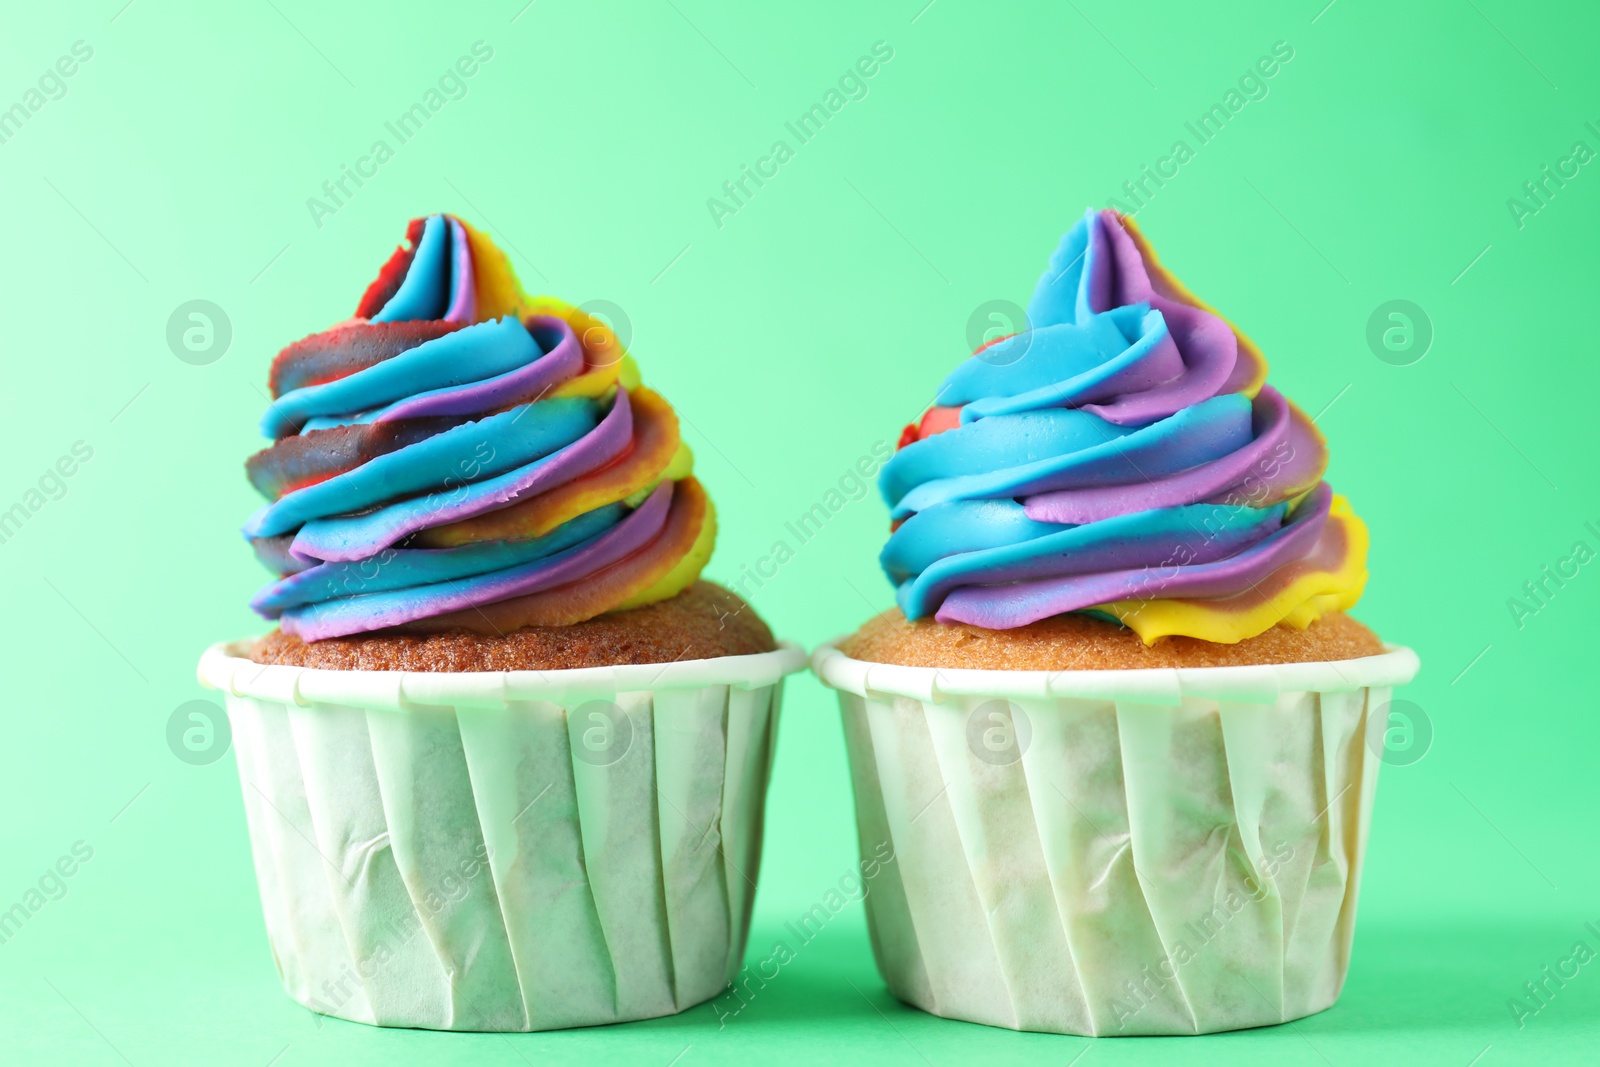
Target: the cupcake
(1116, 731)
(504, 756)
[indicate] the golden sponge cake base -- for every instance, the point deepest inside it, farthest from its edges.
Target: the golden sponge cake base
(702, 622)
(1082, 642)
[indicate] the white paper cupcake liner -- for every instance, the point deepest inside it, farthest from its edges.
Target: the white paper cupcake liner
(505, 851)
(1166, 851)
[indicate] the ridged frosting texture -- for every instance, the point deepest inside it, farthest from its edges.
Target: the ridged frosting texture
(1124, 456)
(461, 455)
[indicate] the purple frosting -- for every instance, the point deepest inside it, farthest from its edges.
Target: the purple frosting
(343, 538)
(372, 611)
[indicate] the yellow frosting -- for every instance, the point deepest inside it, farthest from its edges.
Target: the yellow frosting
(1301, 602)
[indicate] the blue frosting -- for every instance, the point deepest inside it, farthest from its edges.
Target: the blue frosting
(423, 294)
(451, 458)
(470, 354)
(1057, 448)
(399, 568)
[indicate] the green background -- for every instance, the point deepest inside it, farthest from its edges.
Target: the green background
(811, 324)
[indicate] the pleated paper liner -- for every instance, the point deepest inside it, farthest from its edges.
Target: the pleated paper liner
(1165, 851)
(505, 851)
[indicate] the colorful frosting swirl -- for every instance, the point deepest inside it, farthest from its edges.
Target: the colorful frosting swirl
(1122, 456)
(460, 455)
